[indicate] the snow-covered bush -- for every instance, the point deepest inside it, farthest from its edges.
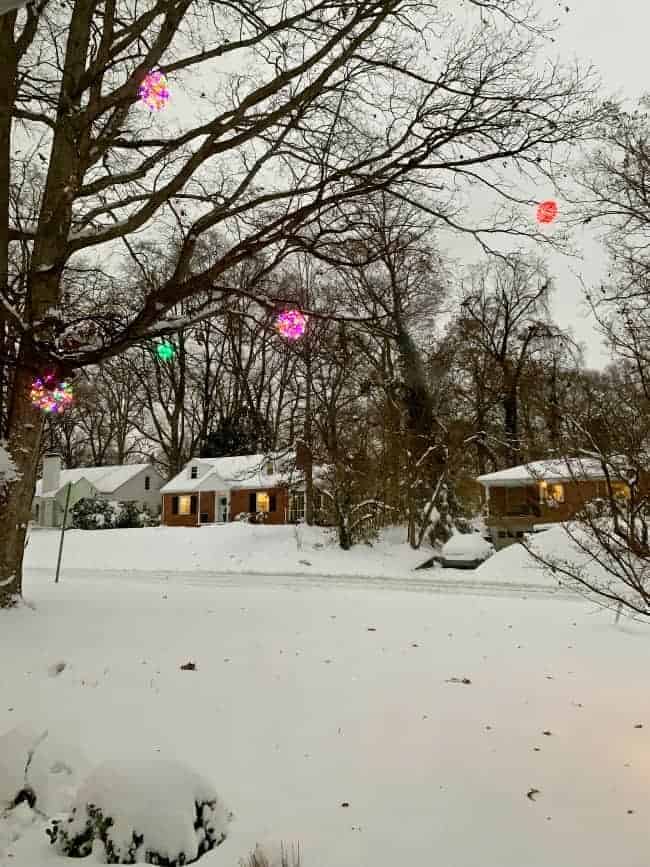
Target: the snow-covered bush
(147, 518)
(128, 515)
(153, 811)
(92, 513)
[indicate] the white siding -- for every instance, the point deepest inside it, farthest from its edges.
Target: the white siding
(134, 490)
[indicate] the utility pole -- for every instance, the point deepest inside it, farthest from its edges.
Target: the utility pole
(65, 518)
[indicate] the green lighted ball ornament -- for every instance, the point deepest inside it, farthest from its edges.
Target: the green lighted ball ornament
(165, 351)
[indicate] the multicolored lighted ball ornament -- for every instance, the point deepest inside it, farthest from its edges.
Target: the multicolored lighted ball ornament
(165, 351)
(546, 211)
(153, 91)
(49, 395)
(291, 324)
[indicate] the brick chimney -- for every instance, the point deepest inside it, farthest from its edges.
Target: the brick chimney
(51, 472)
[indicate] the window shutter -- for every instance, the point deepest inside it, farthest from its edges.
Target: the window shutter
(252, 502)
(193, 505)
(174, 505)
(273, 503)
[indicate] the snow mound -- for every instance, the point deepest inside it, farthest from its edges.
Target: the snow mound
(156, 811)
(32, 759)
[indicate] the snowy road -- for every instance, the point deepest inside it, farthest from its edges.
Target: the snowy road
(463, 584)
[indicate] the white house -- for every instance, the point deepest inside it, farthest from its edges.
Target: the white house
(139, 483)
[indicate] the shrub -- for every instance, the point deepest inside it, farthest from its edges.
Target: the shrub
(156, 812)
(128, 516)
(92, 513)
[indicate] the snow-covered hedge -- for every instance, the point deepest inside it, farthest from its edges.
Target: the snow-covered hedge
(154, 811)
(93, 513)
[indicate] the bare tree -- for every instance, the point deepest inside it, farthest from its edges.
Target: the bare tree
(505, 315)
(277, 160)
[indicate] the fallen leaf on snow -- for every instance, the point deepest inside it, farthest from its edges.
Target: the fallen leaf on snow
(530, 794)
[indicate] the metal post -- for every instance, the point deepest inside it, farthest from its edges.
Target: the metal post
(65, 518)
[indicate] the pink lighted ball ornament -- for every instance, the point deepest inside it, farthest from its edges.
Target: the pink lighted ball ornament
(153, 91)
(546, 211)
(49, 395)
(291, 324)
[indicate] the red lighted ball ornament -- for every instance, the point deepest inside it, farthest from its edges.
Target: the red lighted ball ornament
(153, 91)
(50, 395)
(546, 211)
(291, 324)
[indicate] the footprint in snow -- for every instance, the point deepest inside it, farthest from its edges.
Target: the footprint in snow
(56, 669)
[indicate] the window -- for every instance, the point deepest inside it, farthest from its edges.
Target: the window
(555, 493)
(252, 502)
(194, 472)
(174, 505)
(263, 502)
(269, 469)
(186, 505)
(147, 483)
(297, 506)
(621, 489)
(274, 503)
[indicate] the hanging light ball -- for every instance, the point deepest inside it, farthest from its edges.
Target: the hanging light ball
(291, 324)
(165, 350)
(50, 395)
(547, 211)
(153, 91)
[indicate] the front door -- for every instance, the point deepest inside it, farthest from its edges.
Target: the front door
(222, 512)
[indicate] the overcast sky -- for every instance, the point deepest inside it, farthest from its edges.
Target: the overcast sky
(613, 37)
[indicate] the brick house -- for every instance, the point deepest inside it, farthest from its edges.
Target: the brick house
(520, 499)
(217, 490)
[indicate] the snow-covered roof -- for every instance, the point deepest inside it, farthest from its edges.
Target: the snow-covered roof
(104, 479)
(218, 474)
(553, 470)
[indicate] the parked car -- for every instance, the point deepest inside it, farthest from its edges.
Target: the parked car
(465, 551)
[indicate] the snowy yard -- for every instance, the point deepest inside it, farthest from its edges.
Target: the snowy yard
(311, 697)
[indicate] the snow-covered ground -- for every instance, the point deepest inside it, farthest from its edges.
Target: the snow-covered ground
(306, 697)
(226, 549)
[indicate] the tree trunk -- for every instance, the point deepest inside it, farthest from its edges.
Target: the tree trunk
(25, 430)
(308, 441)
(511, 427)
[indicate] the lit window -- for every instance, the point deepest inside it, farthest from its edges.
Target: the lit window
(263, 502)
(185, 505)
(620, 489)
(555, 493)
(542, 491)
